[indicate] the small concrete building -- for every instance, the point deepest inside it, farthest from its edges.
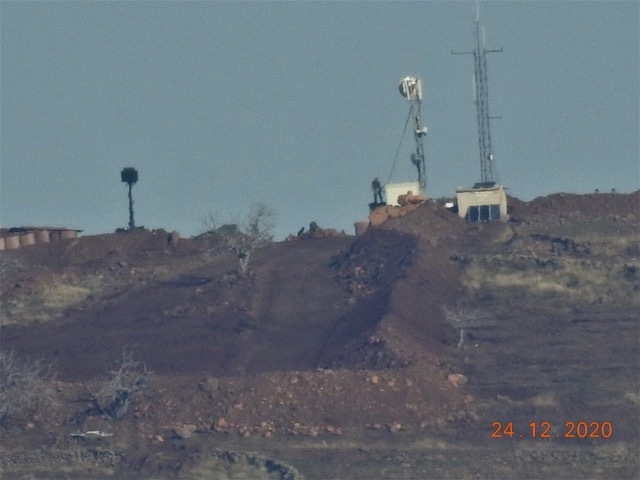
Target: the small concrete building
(393, 190)
(484, 202)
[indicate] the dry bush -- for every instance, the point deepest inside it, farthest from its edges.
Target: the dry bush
(50, 301)
(462, 318)
(254, 232)
(583, 280)
(43, 304)
(26, 389)
(121, 385)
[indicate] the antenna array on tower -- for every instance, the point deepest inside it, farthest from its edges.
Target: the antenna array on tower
(487, 169)
(411, 88)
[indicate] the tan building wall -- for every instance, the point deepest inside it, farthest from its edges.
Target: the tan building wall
(482, 197)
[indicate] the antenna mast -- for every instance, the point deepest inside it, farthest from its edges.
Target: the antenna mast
(411, 88)
(487, 172)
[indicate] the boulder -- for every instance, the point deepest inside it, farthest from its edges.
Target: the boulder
(184, 431)
(410, 199)
(457, 379)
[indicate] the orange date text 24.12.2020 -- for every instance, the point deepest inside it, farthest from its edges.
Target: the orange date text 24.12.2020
(571, 429)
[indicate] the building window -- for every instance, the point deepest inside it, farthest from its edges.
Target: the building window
(483, 213)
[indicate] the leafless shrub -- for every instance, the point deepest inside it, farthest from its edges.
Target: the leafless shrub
(462, 318)
(244, 238)
(26, 389)
(120, 386)
(256, 232)
(210, 222)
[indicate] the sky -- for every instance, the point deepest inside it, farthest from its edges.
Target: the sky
(220, 105)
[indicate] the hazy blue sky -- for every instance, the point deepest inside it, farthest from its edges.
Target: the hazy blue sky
(296, 104)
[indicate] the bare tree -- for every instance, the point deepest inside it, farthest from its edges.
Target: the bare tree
(257, 232)
(123, 382)
(210, 222)
(242, 238)
(462, 318)
(26, 388)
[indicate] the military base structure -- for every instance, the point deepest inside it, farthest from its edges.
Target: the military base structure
(18, 237)
(482, 203)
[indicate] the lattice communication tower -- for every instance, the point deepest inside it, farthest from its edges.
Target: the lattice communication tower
(487, 168)
(411, 89)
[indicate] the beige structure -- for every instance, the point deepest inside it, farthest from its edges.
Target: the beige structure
(42, 236)
(483, 203)
(27, 239)
(12, 242)
(361, 227)
(393, 190)
(18, 237)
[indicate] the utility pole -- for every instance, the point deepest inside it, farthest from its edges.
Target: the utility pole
(487, 171)
(130, 177)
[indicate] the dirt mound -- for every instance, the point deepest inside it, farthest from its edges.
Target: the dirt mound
(432, 223)
(625, 207)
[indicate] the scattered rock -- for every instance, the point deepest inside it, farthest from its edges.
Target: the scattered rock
(395, 427)
(221, 425)
(410, 199)
(209, 385)
(457, 379)
(504, 398)
(184, 431)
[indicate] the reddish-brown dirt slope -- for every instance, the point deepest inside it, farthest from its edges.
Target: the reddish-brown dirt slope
(326, 336)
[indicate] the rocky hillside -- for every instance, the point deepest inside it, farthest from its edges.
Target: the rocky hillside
(423, 324)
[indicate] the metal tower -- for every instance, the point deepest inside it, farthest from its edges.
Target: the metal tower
(487, 172)
(411, 88)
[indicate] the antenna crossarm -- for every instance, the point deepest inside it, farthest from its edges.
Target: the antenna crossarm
(482, 101)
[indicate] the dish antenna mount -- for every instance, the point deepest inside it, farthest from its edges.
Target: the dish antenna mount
(411, 89)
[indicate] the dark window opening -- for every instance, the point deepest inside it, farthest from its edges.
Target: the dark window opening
(483, 213)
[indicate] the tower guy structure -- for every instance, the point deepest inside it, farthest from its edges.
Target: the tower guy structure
(486, 200)
(411, 89)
